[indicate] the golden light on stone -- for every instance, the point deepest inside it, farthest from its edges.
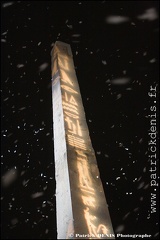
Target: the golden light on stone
(81, 208)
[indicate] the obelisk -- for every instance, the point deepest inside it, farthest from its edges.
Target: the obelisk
(81, 207)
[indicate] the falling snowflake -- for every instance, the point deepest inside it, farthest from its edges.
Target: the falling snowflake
(37, 194)
(43, 66)
(20, 65)
(104, 62)
(7, 4)
(9, 177)
(120, 81)
(119, 229)
(152, 60)
(116, 19)
(149, 14)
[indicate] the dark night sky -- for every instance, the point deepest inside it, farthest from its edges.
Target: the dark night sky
(115, 51)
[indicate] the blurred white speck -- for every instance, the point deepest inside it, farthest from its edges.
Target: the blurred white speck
(152, 60)
(9, 177)
(119, 229)
(4, 33)
(3, 40)
(22, 108)
(120, 81)
(39, 43)
(146, 186)
(37, 194)
(136, 209)
(7, 4)
(76, 35)
(14, 221)
(126, 215)
(70, 26)
(140, 185)
(98, 153)
(43, 66)
(24, 183)
(20, 65)
(149, 14)
(156, 234)
(104, 62)
(119, 96)
(116, 19)
(144, 169)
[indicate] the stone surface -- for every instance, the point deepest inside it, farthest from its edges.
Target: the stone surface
(82, 211)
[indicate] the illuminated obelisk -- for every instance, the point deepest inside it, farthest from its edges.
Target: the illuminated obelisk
(81, 207)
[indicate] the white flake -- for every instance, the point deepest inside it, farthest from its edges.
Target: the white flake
(20, 65)
(76, 35)
(7, 4)
(37, 194)
(70, 26)
(22, 108)
(149, 14)
(140, 185)
(119, 229)
(4, 33)
(14, 221)
(9, 177)
(152, 60)
(117, 19)
(119, 96)
(43, 66)
(3, 40)
(104, 62)
(120, 81)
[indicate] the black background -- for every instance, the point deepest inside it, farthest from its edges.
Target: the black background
(117, 115)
